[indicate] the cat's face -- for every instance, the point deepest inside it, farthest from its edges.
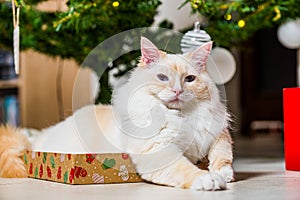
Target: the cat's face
(177, 81)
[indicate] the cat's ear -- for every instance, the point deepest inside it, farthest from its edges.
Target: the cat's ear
(200, 55)
(150, 53)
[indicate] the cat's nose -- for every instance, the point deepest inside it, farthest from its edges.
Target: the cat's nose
(178, 92)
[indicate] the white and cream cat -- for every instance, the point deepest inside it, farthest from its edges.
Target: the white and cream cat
(168, 115)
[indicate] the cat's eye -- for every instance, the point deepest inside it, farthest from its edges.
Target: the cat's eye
(162, 77)
(189, 78)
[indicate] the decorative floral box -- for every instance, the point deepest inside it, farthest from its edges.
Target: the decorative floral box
(291, 112)
(81, 168)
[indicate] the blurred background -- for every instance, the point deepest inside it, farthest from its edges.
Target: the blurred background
(56, 35)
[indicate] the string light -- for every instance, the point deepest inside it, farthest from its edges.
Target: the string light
(241, 23)
(278, 14)
(44, 27)
(196, 4)
(115, 4)
(227, 17)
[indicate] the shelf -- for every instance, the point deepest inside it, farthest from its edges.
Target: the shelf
(8, 84)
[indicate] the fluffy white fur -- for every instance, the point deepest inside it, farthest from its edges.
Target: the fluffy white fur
(190, 127)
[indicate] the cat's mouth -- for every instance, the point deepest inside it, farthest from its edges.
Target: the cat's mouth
(175, 103)
(175, 100)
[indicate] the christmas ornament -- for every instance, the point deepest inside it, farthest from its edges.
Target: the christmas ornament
(221, 64)
(16, 35)
(193, 39)
(289, 34)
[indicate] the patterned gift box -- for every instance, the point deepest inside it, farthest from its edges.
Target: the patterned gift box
(81, 168)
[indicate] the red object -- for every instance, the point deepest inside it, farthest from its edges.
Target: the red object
(41, 171)
(90, 158)
(83, 173)
(71, 176)
(31, 168)
(125, 156)
(59, 173)
(291, 112)
(49, 172)
(79, 171)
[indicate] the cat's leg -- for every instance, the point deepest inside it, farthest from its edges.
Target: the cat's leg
(220, 156)
(177, 173)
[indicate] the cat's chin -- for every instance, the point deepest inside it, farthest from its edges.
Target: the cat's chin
(184, 106)
(175, 104)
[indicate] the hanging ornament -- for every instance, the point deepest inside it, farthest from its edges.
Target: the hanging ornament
(16, 35)
(221, 64)
(193, 39)
(289, 34)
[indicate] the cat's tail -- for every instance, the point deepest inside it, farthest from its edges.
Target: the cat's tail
(12, 144)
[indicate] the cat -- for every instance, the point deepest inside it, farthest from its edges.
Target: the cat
(168, 116)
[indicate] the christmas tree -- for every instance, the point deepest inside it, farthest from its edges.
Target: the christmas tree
(75, 32)
(231, 22)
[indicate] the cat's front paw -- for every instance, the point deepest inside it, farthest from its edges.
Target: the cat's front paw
(227, 173)
(209, 181)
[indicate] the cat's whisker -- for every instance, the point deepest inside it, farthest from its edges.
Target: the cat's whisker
(167, 44)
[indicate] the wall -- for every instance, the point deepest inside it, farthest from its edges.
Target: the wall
(40, 101)
(39, 89)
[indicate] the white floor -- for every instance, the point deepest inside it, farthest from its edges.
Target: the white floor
(260, 175)
(256, 178)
